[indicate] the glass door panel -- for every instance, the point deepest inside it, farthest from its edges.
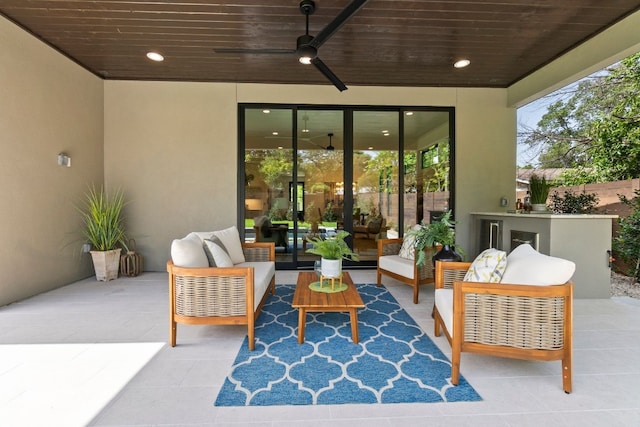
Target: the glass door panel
(320, 159)
(375, 179)
(426, 165)
(268, 172)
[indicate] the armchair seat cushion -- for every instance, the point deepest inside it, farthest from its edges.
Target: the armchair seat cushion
(444, 304)
(262, 274)
(397, 264)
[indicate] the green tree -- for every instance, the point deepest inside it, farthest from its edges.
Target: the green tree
(595, 128)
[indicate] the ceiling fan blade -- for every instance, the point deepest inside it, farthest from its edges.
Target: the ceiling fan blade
(328, 74)
(255, 51)
(338, 22)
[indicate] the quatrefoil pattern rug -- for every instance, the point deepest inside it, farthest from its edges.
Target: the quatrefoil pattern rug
(394, 362)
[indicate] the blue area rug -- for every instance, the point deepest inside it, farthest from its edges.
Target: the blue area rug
(394, 362)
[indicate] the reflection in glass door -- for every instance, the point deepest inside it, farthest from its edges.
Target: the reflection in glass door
(268, 179)
(426, 165)
(320, 167)
(374, 172)
(375, 179)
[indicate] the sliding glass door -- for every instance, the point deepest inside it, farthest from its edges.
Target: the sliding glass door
(311, 171)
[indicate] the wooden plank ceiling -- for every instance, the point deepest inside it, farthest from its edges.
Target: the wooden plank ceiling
(386, 43)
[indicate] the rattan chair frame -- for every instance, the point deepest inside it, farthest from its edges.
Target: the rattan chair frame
(218, 296)
(507, 320)
(421, 274)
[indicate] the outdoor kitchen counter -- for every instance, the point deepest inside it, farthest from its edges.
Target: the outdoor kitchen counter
(583, 239)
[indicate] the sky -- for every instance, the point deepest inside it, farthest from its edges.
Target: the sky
(528, 117)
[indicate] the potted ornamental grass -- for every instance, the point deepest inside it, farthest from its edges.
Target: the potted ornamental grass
(538, 192)
(332, 251)
(104, 230)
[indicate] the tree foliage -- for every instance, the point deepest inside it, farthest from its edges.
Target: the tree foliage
(595, 128)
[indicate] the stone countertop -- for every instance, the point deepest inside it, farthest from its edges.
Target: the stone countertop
(546, 215)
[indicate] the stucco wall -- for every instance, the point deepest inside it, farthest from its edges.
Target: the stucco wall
(48, 104)
(173, 148)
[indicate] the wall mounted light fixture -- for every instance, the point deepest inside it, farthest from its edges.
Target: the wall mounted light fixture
(64, 160)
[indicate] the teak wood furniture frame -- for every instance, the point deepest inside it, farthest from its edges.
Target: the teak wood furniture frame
(506, 320)
(218, 296)
(306, 300)
(421, 274)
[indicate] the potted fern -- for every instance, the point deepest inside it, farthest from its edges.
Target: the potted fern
(104, 229)
(438, 232)
(332, 251)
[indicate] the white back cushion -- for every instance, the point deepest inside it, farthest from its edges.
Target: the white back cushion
(526, 266)
(230, 238)
(188, 252)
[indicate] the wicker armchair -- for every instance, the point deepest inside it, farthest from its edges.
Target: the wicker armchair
(222, 296)
(517, 321)
(402, 269)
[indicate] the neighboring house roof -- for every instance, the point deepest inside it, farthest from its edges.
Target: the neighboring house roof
(551, 174)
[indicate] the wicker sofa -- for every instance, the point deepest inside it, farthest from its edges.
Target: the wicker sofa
(222, 295)
(523, 321)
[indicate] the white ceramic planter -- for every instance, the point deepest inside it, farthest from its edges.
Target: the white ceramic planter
(106, 264)
(331, 268)
(539, 207)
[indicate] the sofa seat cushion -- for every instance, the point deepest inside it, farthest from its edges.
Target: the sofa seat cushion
(444, 304)
(526, 266)
(396, 264)
(263, 272)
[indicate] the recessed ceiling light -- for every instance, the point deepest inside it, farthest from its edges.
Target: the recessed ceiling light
(305, 130)
(280, 147)
(370, 148)
(274, 133)
(462, 63)
(409, 113)
(155, 56)
(266, 111)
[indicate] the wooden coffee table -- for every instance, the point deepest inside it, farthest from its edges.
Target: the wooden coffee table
(304, 299)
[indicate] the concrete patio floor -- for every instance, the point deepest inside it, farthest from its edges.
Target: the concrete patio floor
(136, 379)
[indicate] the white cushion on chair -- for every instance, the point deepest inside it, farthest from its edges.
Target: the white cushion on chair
(526, 266)
(396, 264)
(444, 303)
(488, 267)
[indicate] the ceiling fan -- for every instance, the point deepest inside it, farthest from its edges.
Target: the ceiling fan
(307, 45)
(309, 140)
(330, 147)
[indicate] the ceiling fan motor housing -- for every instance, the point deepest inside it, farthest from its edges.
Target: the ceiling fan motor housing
(303, 49)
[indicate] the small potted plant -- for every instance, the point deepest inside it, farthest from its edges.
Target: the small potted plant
(438, 232)
(332, 251)
(539, 191)
(104, 229)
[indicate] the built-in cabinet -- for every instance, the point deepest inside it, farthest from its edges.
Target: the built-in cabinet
(583, 239)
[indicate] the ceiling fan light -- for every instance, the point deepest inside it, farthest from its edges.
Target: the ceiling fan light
(461, 63)
(306, 60)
